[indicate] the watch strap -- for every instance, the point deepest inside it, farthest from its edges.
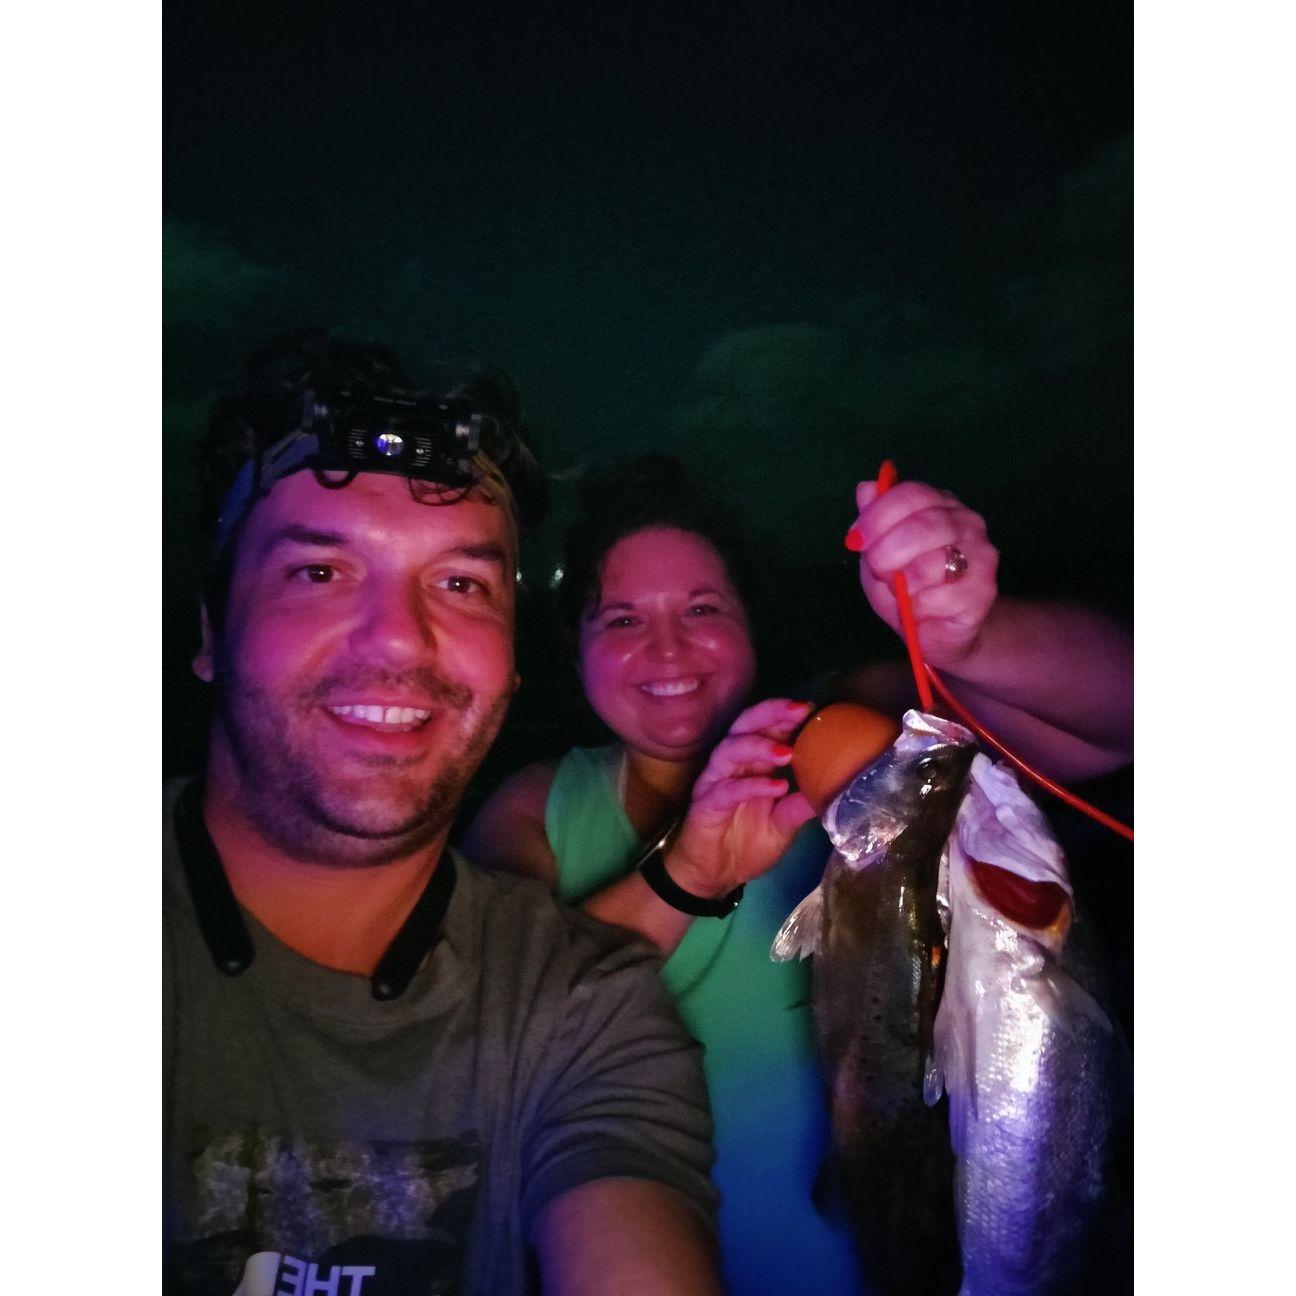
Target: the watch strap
(651, 866)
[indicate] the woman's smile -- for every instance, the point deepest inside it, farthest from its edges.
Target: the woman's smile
(670, 688)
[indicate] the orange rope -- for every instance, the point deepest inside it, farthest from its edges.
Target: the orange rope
(1047, 783)
(923, 673)
(886, 478)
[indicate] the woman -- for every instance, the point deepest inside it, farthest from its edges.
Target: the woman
(654, 596)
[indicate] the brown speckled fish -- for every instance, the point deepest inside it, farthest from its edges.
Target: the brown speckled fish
(875, 931)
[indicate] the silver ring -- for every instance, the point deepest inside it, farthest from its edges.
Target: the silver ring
(956, 563)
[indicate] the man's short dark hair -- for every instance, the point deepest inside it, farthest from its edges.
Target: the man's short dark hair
(245, 425)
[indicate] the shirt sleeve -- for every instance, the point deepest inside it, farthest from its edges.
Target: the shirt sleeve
(624, 1093)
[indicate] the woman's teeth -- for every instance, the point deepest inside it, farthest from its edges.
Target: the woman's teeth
(392, 715)
(671, 688)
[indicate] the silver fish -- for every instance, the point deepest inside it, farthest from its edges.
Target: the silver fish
(874, 928)
(1023, 1051)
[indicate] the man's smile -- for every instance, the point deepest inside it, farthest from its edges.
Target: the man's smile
(393, 719)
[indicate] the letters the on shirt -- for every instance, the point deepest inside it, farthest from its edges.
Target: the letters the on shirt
(302, 1217)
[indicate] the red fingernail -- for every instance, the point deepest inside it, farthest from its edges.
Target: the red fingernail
(854, 541)
(782, 751)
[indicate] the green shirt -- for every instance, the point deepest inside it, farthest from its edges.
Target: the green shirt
(753, 1018)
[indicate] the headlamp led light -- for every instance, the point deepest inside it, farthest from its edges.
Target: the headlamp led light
(425, 440)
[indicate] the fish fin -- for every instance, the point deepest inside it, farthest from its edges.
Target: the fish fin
(951, 1068)
(1064, 999)
(801, 931)
(961, 1085)
(933, 1080)
(953, 1073)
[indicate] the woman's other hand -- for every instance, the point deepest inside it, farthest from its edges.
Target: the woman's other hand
(948, 562)
(742, 815)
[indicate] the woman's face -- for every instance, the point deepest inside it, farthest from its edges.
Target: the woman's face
(666, 657)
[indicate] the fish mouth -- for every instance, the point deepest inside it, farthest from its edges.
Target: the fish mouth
(890, 798)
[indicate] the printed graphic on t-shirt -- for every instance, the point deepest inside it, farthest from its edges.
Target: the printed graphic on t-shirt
(268, 1215)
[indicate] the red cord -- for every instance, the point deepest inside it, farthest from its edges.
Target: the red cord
(1047, 783)
(886, 478)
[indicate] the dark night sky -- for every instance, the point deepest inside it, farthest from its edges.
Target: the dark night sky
(785, 240)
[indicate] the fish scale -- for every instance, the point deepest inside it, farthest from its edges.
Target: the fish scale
(1030, 1171)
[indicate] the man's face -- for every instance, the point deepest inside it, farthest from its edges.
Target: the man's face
(364, 665)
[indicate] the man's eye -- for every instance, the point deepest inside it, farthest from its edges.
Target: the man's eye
(313, 573)
(703, 609)
(621, 623)
(463, 585)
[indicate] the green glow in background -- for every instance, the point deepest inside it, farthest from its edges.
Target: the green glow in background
(783, 241)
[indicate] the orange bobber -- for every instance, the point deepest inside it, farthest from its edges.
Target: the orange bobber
(836, 743)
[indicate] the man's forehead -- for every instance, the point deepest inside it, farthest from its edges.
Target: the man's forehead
(377, 505)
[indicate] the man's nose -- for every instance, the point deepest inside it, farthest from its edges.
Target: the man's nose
(395, 627)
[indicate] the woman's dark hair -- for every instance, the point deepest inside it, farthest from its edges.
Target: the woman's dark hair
(619, 500)
(243, 426)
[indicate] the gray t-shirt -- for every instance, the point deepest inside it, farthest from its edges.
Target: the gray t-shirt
(319, 1142)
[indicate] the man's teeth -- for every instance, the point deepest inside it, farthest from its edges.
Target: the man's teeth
(392, 715)
(671, 688)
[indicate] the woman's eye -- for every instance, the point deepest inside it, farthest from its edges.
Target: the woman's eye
(703, 609)
(620, 623)
(463, 585)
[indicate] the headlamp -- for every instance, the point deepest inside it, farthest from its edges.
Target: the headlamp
(437, 441)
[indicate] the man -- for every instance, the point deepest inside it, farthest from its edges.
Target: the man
(387, 1072)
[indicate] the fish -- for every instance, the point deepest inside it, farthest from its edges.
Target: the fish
(874, 928)
(1026, 1057)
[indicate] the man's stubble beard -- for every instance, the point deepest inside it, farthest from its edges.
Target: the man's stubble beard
(289, 800)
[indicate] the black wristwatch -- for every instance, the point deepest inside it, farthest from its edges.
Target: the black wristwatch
(651, 865)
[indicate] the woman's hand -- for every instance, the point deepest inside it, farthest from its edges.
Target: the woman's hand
(921, 531)
(742, 817)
